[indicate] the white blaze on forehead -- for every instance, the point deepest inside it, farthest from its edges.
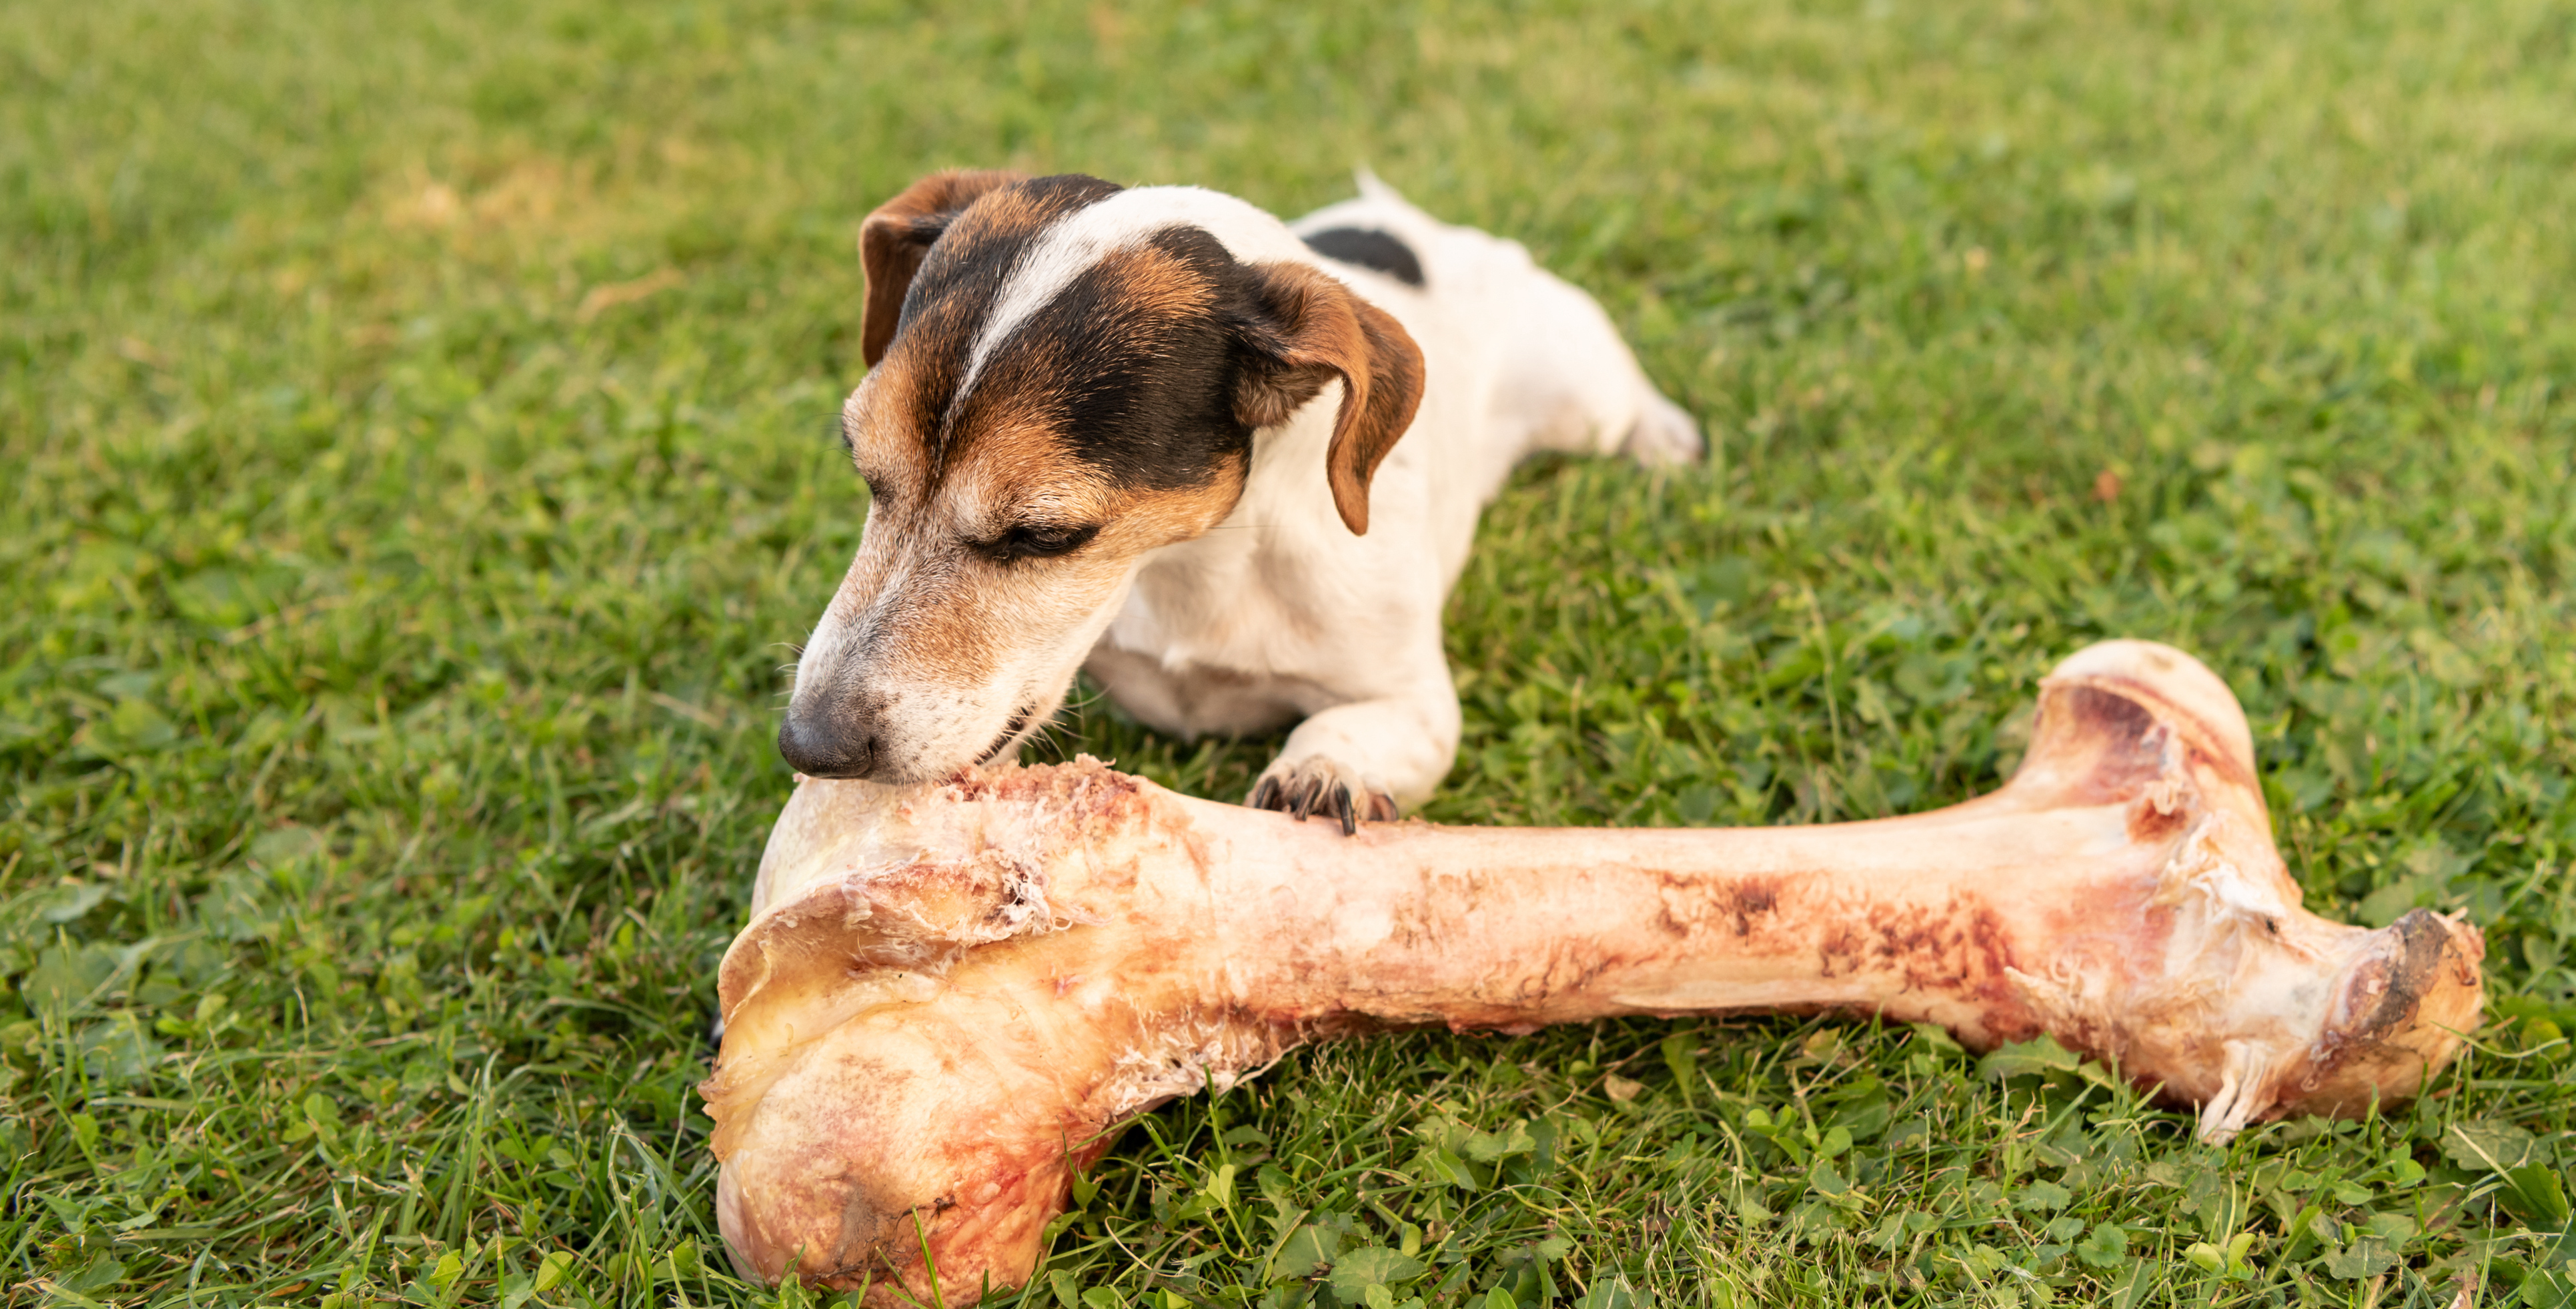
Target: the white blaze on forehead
(1075, 242)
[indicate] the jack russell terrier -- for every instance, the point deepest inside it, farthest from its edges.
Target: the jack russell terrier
(1228, 465)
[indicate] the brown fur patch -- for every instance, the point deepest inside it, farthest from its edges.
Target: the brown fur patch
(962, 610)
(1323, 332)
(898, 235)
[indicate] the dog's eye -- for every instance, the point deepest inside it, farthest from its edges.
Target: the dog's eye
(1040, 542)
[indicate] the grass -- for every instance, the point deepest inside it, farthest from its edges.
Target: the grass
(419, 418)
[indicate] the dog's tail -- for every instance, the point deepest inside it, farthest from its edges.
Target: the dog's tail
(1374, 188)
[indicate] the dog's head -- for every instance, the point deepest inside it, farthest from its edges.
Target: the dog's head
(1064, 375)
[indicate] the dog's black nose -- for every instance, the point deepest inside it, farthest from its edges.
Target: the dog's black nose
(826, 747)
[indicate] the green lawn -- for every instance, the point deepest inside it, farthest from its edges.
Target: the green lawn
(417, 428)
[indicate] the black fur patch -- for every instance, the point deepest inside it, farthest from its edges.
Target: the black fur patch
(962, 276)
(1145, 397)
(1136, 365)
(1369, 248)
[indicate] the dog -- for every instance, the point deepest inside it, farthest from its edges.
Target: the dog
(1230, 466)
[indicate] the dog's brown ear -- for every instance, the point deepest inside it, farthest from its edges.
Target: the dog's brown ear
(1309, 329)
(895, 237)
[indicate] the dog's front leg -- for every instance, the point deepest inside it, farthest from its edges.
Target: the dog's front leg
(1368, 759)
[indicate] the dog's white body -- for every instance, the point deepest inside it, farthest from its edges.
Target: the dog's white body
(1283, 613)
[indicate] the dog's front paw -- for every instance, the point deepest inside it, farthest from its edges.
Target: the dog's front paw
(1317, 785)
(1665, 435)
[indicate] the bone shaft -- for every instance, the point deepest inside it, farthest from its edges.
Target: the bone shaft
(1472, 928)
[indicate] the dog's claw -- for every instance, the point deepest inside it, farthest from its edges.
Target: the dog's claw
(1319, 786)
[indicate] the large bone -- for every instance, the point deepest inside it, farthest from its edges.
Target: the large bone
(948, 996)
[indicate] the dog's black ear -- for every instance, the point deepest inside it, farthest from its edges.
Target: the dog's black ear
(1308, 329)
(894, 238)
